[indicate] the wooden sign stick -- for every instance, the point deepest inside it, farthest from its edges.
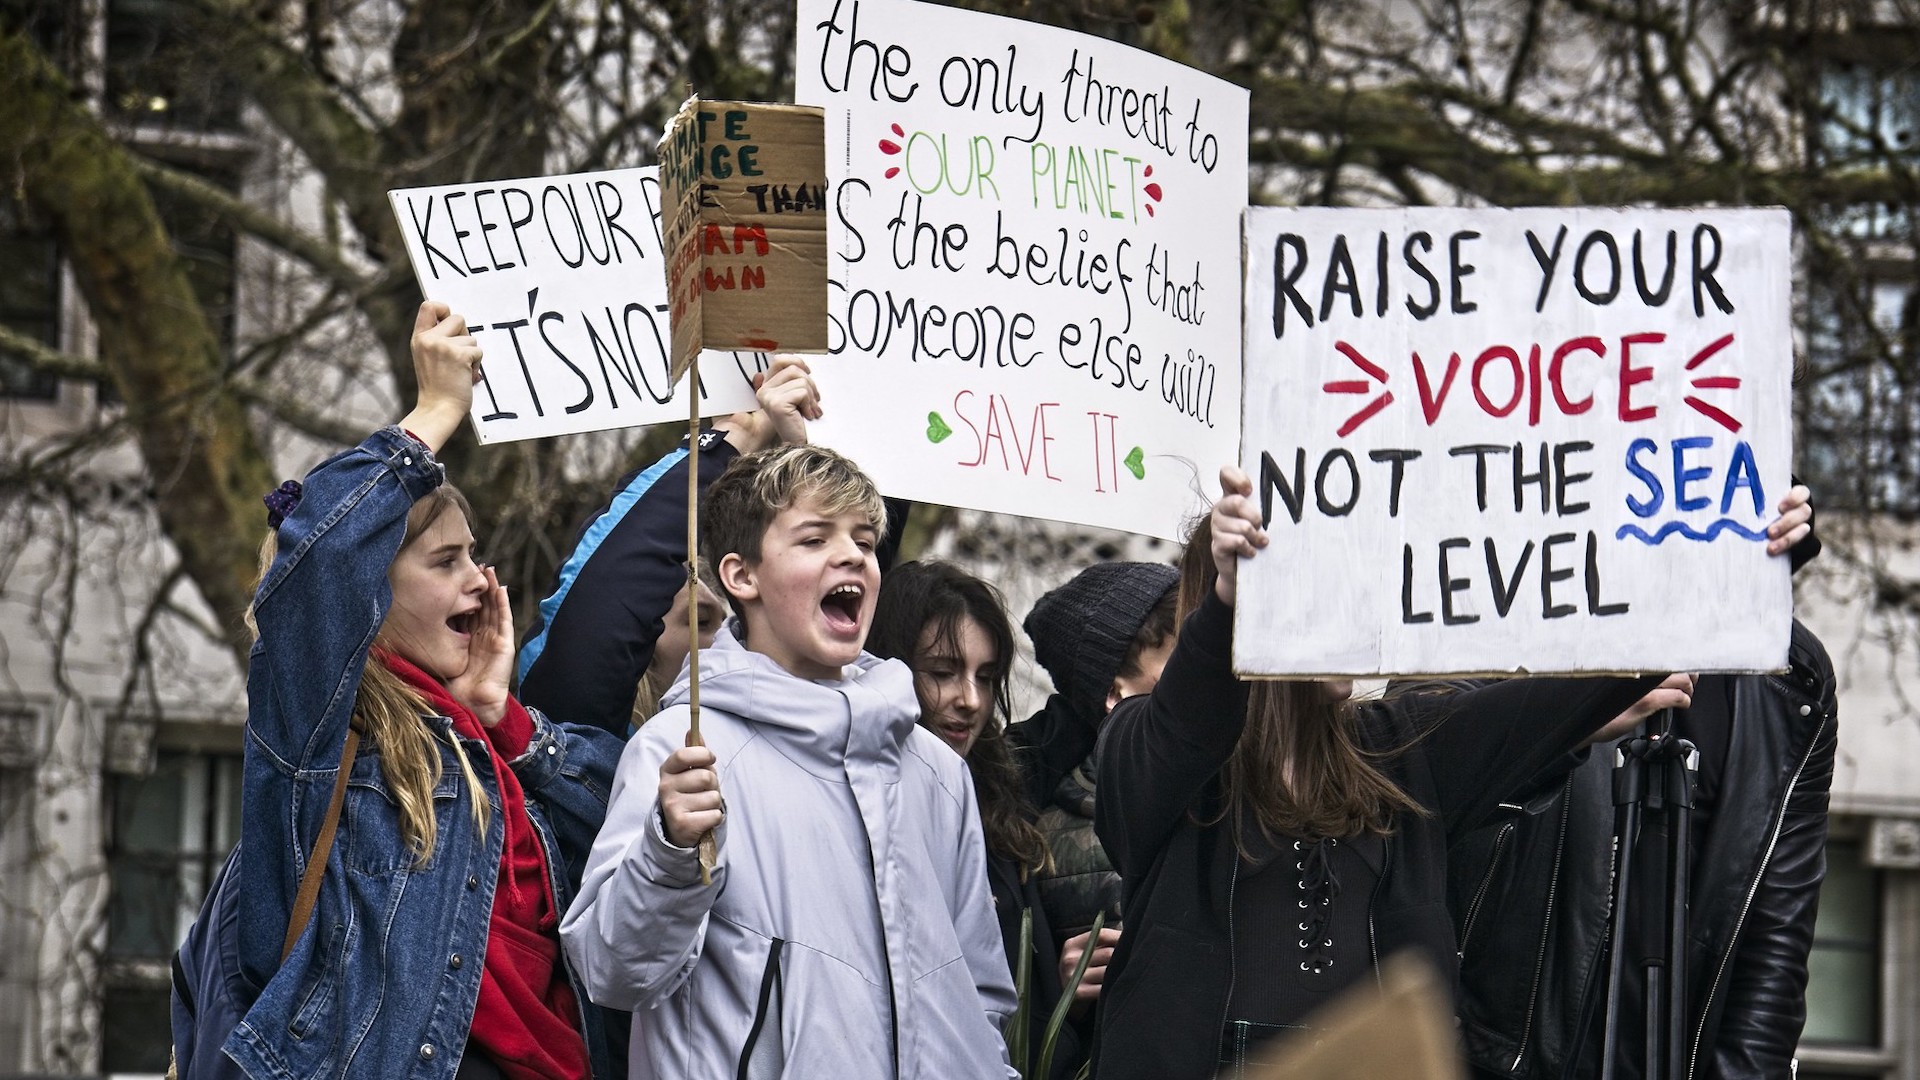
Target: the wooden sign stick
(709, 849)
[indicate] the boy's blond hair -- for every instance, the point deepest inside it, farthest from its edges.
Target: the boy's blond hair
(737, 509)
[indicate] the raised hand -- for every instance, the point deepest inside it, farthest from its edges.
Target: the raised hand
(482, 686)
(1794, 522)
(446, 365)
(1237, 532)
(1674, 692)
(788, 397)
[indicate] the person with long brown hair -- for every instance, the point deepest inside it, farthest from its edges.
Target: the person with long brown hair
(446, 852)
(952, 630)
(1276, 839)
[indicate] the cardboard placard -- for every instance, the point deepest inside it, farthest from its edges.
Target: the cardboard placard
(1402, 1028)
(745, 189)
(1035, 276)
(560, 280)
(1540, 440)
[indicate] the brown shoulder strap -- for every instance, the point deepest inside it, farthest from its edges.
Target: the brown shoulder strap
(322, 846)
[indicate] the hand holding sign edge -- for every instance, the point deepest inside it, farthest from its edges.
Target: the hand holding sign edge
(1237, 530)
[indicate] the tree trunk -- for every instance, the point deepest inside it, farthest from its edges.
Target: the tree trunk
(207, 469)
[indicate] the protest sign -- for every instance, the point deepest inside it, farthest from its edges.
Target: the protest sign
(744, 186)
(1034, 290)
(562, 281)
(1505, 440)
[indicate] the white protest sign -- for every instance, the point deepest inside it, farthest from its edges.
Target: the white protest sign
(1504, 440)
(1034, 278)
(562, 282)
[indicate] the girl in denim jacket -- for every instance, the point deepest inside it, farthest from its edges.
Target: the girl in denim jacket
(432, 949)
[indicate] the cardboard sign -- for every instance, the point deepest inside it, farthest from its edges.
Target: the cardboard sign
(560, 278)
(1035, 269)
(1544, 440)
(1401, 1028)
(744, 184)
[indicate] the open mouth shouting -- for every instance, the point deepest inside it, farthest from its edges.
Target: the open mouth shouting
(842, 607)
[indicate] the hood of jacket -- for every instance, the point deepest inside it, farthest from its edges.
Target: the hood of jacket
(812, 718)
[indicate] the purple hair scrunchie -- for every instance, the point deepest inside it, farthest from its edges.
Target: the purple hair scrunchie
(281, 501)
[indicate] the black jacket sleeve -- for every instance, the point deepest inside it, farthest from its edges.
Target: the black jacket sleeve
(595, 635)
(1047, 746)
(1492, 743)
(1766, 980)
(1161, 750)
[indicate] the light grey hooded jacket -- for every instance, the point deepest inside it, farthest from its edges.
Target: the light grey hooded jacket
(851, 889)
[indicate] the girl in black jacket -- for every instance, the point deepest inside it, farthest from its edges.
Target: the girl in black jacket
(1276, 839)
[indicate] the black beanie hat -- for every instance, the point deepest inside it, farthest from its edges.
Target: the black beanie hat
(1083, 630)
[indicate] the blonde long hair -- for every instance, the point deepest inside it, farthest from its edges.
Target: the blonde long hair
(389, 714)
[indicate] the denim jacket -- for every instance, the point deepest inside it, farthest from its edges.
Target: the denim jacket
(383, 979)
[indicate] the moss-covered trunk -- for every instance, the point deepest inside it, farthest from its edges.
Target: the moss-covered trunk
(206, 467)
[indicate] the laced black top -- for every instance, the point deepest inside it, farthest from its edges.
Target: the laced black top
(1300, 926)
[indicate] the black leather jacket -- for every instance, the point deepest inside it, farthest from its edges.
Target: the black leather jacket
(1530, 896)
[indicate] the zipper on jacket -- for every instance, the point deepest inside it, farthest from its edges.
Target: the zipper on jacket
(1779, 822)
(1486, 882)
(770, 984)
(1373, 941)
(1546, 924)
(1233, 974)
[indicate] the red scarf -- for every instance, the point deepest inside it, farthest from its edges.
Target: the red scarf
(527, 1019)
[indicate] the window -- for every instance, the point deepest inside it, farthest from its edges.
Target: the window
(1873, 107)
(1860, 400)
(205, 243)
(29, 297)
(170, 830)
(1843, 987)
(57, 27)
(158, 71)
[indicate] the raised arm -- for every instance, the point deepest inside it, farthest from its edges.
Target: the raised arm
(1161, 750)
(318, 607)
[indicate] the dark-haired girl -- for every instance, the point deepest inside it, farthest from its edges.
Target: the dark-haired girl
(951, 628)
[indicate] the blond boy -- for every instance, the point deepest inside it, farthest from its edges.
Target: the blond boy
(847, 931)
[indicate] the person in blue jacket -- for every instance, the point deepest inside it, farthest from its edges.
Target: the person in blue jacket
(432, 948)
(626, 576)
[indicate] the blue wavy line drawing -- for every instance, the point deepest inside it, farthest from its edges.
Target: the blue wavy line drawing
(1681, 527)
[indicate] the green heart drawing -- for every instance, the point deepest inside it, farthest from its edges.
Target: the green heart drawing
(1136, 463)
(937, 428)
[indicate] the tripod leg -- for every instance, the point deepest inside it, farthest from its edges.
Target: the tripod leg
(1651, 919)
(1679, 770)
(1629, 780)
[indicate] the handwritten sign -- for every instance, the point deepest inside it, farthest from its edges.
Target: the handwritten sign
(1034, 300)
(561, 280)
(1501, 440)
(744, 184)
